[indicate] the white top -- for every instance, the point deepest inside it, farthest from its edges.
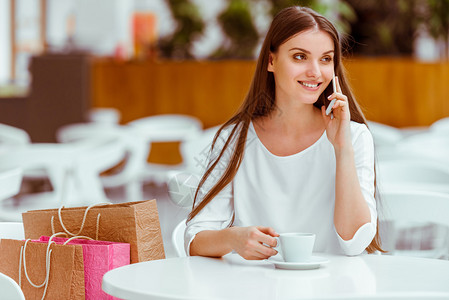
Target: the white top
(294, 193)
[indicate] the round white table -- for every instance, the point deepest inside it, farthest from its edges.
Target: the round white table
(232, 277)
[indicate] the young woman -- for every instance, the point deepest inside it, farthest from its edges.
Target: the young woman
(281, 164)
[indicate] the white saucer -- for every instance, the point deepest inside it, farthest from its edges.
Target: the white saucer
(314, 263)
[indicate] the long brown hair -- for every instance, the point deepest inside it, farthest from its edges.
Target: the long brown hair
(260, 100)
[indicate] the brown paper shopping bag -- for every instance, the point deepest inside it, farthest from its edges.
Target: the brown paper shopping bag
(136, 223)
(66, 269)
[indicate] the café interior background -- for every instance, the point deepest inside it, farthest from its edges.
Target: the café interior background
(59, 58)
(203, 29)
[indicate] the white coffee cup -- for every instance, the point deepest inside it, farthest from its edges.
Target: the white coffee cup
(296, 246)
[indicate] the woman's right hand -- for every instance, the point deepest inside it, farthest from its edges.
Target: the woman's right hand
(254, 242)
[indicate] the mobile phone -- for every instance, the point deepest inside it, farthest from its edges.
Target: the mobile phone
(329, 107)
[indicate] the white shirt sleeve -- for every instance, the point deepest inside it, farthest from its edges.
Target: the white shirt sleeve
(364, 162)
(218, 213)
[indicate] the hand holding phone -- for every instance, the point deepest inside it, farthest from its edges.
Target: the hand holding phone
(329, 107)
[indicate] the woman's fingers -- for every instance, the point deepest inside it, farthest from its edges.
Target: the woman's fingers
(266, 241)
(340, 103)
(337, 84)
(259, 243)
(326, 118)
(258, 251)
(268, 235)
(338, 96)
(265, 252)
(338, 93)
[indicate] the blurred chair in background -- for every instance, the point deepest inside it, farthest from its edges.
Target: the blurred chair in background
(10, 289)
(104, 115)
(137, 138)
(166, 128)
(412, 174)
(384, 135)
(427, 146)
(99, 156)
(13, 136)
(182, 184)
(10, 181)
(177, 239)
(136, 151)
(440, 126)
(195, 151)
(407, 208)
(73, 170)
(12, 230)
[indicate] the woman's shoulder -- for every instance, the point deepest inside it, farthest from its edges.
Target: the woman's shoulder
(225, 132)
(360, 130)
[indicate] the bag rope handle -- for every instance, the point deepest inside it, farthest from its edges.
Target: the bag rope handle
(47, 264)
(82, 224)
(78, 237)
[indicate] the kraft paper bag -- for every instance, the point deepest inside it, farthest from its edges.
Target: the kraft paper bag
(136, 223)
(66, 277)
(99, 257)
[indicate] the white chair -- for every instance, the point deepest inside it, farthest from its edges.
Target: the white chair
(182, 187)
(14, 137)
(10, 290)
(412, 174)
(81, 131)
(165, 128)
(440, 126)
(182, 184)
(136, 152)
(178, 239)
(405, 208)
(97, 157)
(195, 151)
(10, 135)
(8, 287)
(73, 169)
(104, 115)
(384, 135)
(10, 181)
(137, 137)
(12, 230)
(426, 147)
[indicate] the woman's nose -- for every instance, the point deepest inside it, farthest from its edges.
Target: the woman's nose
(313, 70)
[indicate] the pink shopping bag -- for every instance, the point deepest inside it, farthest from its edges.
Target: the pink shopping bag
(99, 257)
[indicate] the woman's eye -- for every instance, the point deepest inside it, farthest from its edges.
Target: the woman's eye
(327, 59)
(299, 56)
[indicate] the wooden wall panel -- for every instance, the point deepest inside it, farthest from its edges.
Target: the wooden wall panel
(398, 92)
(211, 91)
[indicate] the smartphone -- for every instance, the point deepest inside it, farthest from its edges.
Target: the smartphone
(334, 88)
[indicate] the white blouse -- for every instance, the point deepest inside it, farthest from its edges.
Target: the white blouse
(294, 193)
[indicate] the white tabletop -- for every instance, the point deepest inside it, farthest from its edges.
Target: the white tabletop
(232, 277)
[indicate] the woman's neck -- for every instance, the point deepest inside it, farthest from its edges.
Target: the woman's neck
(295, 120)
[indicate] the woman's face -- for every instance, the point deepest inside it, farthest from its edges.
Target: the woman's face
(303, 66)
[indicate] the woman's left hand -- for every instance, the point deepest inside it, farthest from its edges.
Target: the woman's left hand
(337, 128)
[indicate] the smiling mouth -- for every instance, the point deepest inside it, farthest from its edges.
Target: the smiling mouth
(309, 85)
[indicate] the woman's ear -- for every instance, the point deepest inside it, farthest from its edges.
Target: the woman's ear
(270, 67)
